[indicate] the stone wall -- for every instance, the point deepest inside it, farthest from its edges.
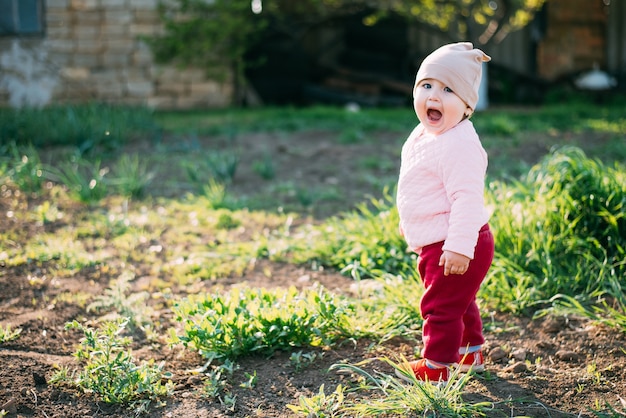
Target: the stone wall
(92, 51)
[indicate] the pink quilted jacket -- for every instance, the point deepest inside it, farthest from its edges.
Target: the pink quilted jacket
(441, 187)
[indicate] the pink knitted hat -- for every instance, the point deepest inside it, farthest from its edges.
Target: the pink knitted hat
(457, 65)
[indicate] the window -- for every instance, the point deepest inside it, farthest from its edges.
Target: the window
(21, 17)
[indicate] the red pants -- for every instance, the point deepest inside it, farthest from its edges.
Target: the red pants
(448, 306)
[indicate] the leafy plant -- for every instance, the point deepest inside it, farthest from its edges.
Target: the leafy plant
(25, 169)
(219, 166)
(320, 405)
(217, 195)
(351, 136)
(299, 360)
(227, 221)
(127, 304)
(84, 179)
(251, 382)
(223, 166)
(265, 167)
(132, 176)
(47, 212)
(216, 380)
(246, 321)
(110, 371)
(7, 334)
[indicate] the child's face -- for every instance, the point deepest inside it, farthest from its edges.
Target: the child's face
(437, 107)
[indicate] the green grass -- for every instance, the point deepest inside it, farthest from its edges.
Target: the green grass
(84, 126)
(556, 118)
(561, 230)
(394, 397)
(389, 396)
(232, 122)
(8, 334)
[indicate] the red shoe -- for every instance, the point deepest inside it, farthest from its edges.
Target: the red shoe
(424, 373)
(474, 361)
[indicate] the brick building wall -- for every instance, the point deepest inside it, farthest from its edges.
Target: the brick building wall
(575, 39)
(91, 51)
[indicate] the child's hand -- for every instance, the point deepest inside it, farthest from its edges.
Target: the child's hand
(453, 263)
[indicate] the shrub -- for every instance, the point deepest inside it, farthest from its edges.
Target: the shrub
(559, 230)
(110, 370)
(246, 321)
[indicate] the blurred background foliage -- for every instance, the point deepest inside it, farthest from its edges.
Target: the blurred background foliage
(218, 35)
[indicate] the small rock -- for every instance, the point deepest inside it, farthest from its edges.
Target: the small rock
(566, 355)
(519, 354)
(554, 325)
(516, 368)
(194, 380)
(545, 345)
(10, 406)
(305, 278)
(497, 354)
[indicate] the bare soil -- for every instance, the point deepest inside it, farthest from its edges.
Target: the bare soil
(545, 367)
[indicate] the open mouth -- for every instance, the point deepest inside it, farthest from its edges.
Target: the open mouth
(434, 115)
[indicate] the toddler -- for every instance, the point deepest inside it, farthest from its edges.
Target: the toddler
(442, 213)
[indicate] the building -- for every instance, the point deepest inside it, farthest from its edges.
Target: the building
(72, 51)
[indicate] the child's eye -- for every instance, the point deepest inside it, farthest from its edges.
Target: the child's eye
(426, 85)
(448, 90)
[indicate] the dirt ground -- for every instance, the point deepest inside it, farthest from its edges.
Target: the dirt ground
(545, 367)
